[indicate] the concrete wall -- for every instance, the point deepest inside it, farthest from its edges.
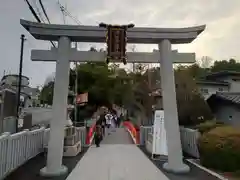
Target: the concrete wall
(40, 115)
(223, 111)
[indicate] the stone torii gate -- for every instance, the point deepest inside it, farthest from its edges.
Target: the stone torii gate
(65, 34)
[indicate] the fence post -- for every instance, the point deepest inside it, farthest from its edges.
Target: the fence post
(3, 153)
(141, 135)
(26, 144)
(42, 139)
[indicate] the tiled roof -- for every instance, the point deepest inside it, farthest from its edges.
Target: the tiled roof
(204, 81)
(221, 74)
(232, 97)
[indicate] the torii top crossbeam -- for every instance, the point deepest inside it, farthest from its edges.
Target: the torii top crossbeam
(80, 33)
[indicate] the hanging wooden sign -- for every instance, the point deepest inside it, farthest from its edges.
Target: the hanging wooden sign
(116, 39)
(116, 43)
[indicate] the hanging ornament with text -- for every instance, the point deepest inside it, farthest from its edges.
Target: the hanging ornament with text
(116, 39)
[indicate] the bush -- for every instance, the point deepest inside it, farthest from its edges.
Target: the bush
(208, 125)
(220, 149)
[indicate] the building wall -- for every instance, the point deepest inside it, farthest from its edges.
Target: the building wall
(13, 80)
(234, 82)
(208, 90)
(235, 86)
(224, 111)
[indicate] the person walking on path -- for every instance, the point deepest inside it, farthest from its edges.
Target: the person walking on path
(118, 122)
(108, 118)
(115, 120)
(102, 122)
(98, 135)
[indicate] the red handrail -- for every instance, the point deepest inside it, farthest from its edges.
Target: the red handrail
(90, 133)
(129, 125)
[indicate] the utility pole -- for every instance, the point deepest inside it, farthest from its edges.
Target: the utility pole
(133, 50)
(150, 101)
(20, 79)
(76, 90)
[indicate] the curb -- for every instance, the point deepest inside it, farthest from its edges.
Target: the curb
(207, 170)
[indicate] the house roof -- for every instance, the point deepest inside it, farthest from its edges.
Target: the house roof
(13, 89)
(209, 82)
(222, 74)
(15, 75)
(226, 96)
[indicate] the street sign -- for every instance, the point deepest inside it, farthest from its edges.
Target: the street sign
(159, 134)
(82, 98)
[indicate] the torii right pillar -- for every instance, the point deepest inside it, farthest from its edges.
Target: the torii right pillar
(175, 160)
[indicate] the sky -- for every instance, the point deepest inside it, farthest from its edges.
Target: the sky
(220, 40)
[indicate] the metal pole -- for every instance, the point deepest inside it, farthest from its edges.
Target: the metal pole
(76, 90)
(76, 93)
(20, 79)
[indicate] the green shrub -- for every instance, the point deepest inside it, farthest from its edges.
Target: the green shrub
(208, 125)
(220, 149)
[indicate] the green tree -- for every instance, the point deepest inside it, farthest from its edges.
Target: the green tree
(231, 65)
(192, 108)
(46, 95)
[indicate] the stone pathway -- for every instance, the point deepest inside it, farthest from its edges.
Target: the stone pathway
(117, 136)
(116, 159)
(115, 162)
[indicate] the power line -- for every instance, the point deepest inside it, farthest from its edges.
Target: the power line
(44, 11)
(38, 10)
(62, 10)
(36, 16)
(33, 11)
(67, 13)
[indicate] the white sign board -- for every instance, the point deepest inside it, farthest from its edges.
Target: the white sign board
(159, 134)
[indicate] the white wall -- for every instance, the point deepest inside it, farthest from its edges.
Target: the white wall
(208, 90)
(234, 82)
(40, 115)
(235, 86)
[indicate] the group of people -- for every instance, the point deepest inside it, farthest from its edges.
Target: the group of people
(106, 122)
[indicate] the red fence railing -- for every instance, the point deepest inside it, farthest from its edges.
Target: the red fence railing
(90, 134)
(132, 130)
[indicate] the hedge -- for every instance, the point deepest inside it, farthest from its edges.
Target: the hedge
(220, 149)
(208, 125)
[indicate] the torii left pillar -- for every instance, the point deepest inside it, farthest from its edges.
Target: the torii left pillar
(54, 165)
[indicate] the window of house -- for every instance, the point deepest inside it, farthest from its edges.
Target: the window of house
(205, 91)
(220, 89)
(230, 118)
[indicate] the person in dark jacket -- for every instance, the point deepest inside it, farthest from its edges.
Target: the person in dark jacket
(98, 135)
(102, 122)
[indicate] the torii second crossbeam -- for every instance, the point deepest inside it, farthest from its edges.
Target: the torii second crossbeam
(132, 57)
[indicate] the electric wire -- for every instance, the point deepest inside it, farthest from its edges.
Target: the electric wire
(44, 11)
(36, 16)
(38, 10)
(67, 13)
